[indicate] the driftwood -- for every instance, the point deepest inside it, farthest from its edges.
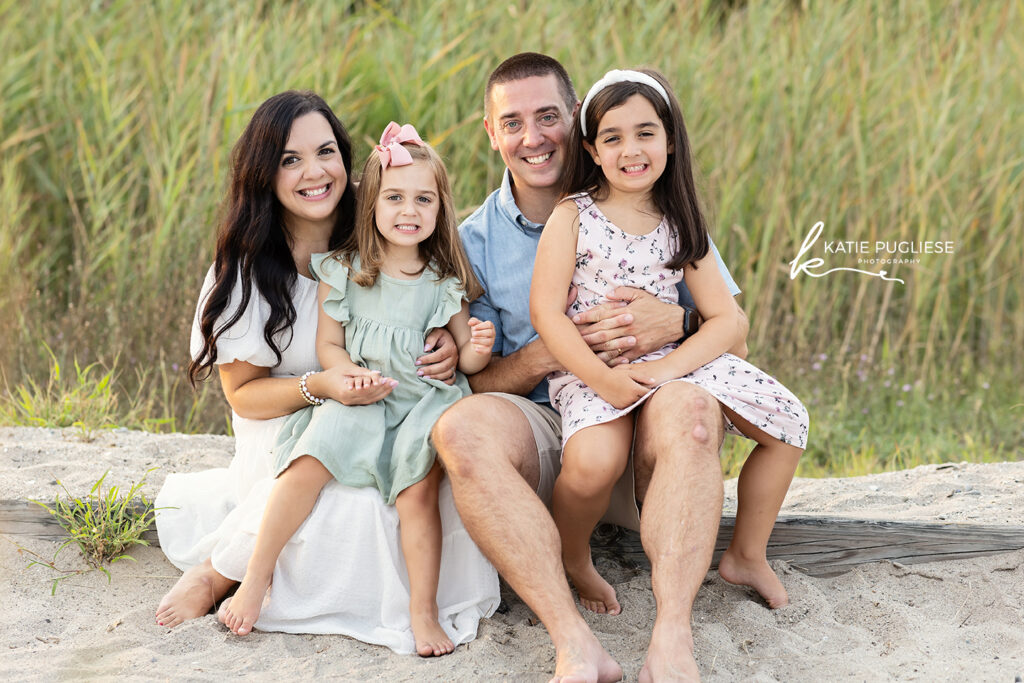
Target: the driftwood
(819, 546)
(21, 518)
(825, 546)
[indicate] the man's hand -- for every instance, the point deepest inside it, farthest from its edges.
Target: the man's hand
(633, 322)
(441, 357)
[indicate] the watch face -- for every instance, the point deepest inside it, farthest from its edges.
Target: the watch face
(691, 321)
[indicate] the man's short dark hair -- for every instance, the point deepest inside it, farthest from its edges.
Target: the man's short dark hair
(526, 65)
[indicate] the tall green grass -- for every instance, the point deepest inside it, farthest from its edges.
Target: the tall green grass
(885, 120)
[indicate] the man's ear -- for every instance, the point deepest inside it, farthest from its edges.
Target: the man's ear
(490, 133)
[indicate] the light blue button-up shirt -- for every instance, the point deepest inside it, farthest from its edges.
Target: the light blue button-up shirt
(501, 244)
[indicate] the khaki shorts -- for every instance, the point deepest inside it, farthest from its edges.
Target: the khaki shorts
(547, 434)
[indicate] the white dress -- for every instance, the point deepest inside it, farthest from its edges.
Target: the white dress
(343, 571)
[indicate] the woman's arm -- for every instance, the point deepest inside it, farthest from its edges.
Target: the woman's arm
(474, 339)
(552, 275)
(253, 393)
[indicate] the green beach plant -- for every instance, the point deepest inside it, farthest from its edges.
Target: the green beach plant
(104, 525)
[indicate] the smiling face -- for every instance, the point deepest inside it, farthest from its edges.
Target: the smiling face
(311, 176)
(631, 146)
(528, 123)
(407, 205)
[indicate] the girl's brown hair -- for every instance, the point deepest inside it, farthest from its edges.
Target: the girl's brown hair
(674, 192)
(253, 243)
(442, 251)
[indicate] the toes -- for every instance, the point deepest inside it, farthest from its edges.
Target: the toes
(224, 611)
(170, 619)
(246, 627)
(434, 649)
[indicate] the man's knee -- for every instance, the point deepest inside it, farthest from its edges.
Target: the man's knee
(681, 413)
(475, 431)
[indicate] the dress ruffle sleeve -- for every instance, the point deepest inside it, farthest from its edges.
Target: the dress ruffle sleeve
(242, 341)
(449, 302)
(333, 272)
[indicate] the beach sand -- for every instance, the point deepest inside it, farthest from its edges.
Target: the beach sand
(948, 621)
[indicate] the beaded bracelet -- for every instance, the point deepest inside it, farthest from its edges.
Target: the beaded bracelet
(310, 398)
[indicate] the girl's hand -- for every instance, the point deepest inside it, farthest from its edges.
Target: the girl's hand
(621, 388)
(653, 372)
(442, 358)
(356, 387)
(481, 335)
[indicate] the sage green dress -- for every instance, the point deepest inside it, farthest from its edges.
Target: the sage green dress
(386, 444)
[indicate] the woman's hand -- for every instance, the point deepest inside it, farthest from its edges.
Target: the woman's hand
(442, 358)
(354, 387)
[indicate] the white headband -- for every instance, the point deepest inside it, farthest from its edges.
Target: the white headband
(619, 76)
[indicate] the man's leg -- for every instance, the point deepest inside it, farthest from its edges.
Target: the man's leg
(490, 451)
(679, 480)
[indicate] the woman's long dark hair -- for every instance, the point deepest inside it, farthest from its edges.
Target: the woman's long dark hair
(252, 241)
(674, 193)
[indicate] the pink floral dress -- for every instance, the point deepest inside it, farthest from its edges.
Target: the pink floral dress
(606, 258)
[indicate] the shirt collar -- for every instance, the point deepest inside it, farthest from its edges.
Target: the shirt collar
(507, 201)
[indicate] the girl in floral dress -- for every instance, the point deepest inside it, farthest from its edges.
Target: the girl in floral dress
(631, 218)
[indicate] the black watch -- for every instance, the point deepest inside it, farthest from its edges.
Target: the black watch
(691, 322)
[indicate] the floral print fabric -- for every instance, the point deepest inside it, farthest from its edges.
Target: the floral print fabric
(608, 257)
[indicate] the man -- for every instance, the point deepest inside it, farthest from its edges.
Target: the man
(501, 446)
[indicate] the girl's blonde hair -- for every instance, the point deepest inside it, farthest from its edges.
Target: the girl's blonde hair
(442, 251)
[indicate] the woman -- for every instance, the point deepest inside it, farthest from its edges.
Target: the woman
(291, 195)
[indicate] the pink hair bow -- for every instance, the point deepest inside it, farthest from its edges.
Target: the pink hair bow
(390, 149)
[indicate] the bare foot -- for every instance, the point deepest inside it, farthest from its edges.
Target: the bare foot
(191, 597)
(596, 594)
(670, 655)
(585, 661)
(431, 640)
(757, 574)
(242, 610)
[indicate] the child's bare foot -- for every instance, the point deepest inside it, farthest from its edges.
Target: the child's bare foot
(756, 573)
(596, 594)
(191, 597)
(431, 640)
(240, 612)
(670, 654)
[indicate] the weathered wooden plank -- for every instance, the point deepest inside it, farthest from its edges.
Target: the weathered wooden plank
(819, 546)
(823, 546)
(21, 518)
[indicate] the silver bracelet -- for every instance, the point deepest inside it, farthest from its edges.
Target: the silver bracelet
(310, 398)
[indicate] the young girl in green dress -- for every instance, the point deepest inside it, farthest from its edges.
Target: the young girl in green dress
(401, 274)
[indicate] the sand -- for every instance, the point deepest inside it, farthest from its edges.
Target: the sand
(948, 621)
